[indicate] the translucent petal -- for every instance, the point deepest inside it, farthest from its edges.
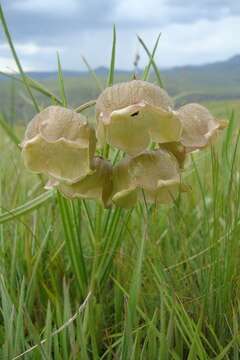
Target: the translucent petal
(131, 129)
(177, 149)
(129, 93)
(148, 168)
(166, 191)
(132, 114)
(57, 122)
(60, 143)
(126, 198)
(154, 172)
(164, 125)
(127, 131)
(199, 126)
(125, 193)
(61, 159)
(97, 186)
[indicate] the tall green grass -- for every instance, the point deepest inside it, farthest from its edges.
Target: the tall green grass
(81, 282)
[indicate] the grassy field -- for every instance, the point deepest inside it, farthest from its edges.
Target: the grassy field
(81, 282)
(166, 280)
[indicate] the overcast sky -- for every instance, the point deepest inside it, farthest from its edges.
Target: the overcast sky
(193, 31)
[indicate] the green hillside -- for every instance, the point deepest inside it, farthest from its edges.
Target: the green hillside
(205, 83)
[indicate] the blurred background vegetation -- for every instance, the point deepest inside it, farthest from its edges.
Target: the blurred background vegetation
(216, 85)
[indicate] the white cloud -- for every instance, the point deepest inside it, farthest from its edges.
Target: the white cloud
(51, 7)
(190, 35)
(7, 65)
(32, 56)
(163, 12)
(202, 41)
(193, 43)
(29, 49)
(135, 10)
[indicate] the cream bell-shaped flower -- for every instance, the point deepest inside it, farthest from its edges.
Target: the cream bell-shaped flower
(200, 128)
(95, 186)
(155, 172)
(60, 143)
(132, 114)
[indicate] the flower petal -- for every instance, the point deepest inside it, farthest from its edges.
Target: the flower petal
(128, 131)
(155, 172)
(61, 159)
(130, 114)
(148, 168)
(166, 191)
(131, 129)
(126, 198)
(125, 193)
(199, 126)
(129, 93)
(164, 125)
(59, 143)
(97, 185)
(177, 149)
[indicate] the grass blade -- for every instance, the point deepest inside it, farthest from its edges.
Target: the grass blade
(28, 207)
(73, 246)
(15, 56)
(157, 72)
(93, 73)
(113, 55)
(148, 67)
(61, 82)
(35, 85)
(9, 130)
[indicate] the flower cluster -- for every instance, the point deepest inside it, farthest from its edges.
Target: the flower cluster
(135, 117)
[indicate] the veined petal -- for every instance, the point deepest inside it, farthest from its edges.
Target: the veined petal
(131, 129)
(125, 192)
(126, 198)
(64, 160)
(154, 172)
(166, 191)
(150, 167)
(131, 114)
(199, 126)
(129, 93)
(59, 143)
(97, 185)
(164, 125)
(127, 130)
(177, 149)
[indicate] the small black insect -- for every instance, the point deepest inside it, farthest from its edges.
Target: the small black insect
(135, 113)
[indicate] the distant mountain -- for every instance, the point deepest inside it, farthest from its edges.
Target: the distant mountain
(216, 81)
(230, 65)
(234, 60)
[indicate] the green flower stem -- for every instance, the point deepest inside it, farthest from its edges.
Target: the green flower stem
(85, 106)
(106, 150)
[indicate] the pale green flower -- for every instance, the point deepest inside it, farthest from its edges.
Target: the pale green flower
(60, 143)
(130, 115)
(154, 172)
(200, 128)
